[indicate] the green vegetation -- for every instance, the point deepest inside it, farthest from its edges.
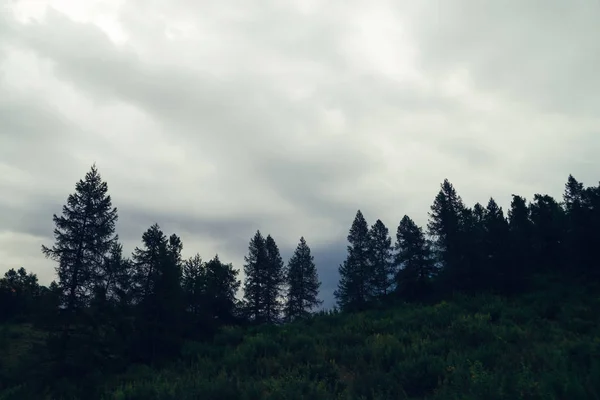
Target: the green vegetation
(538, 346)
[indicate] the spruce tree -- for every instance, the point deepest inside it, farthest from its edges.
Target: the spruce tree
(194, 288)
(353, 291)
(160, 301)
(549, 223)
(577, 232)
(302, 283)
(413, 260)
(221, 286)
(500, 274)
(381, 262)
(274, 280)
(84, 234)
(521, 242)
(255, 270)
(446, 226)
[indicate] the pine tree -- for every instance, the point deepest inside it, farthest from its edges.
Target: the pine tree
(381, 263)
(255, 269)
(19, 294)
(548, 220)
(274, 280)
(500, 274)
(355, 273)
(221, 286)
(414, 261)
(194, 288)
(160, 302)
(446, 226)
(84, 234)
(302, 283)
(520, 244)
(578, 232)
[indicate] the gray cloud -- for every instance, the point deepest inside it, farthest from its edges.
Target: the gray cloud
(216, 119)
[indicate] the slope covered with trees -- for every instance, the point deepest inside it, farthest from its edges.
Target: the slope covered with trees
(482, 303)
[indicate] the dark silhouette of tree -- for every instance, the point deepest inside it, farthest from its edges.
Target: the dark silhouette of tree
(499, 273)
(577, 229)
(413, 260)
(221, 287)
(274, 281)
(353, 292)
(256, 269)
(160, 302)
(380, 261)
(520, 265)
(194, 289)
(549, 223)
(473, 268)
(84, 234)
(302, 283)
(446, 227)
(19, 295)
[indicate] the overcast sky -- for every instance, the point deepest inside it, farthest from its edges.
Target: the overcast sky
(218, 118)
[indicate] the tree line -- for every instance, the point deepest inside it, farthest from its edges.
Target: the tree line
(109, 310)
(472, 249)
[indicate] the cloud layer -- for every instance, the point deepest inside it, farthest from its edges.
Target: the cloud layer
(215, 119)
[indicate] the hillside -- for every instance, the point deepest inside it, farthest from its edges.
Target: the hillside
(544, 345)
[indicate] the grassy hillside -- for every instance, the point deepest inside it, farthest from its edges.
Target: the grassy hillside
(539, 346)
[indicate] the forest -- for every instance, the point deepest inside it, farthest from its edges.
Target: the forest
(478, 304)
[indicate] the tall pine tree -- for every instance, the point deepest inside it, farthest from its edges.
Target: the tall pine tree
(499, 274)
(414, 261)
(84, 235)
(160, 301)
(221, 287)
(520, 243)
(274, 280)
(447, 227)
(255, 270)
(381, 262)
(302, 283)
(353, 289)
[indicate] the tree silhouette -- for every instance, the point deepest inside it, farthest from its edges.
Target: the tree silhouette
(353, 292)
(414, 261)
(302, 283)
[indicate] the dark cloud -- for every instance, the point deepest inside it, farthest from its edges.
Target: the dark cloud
(218, 119)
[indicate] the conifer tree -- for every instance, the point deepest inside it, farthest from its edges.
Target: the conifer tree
(84, 234)
(255, 270)
(446, 226)
(548, 219)
(353, 291)
(194, 287)
(380, 261)
(521, 235)
(500, 274)
(160, 300)
(302, 283)
(274, 280)
(577, 232)
(221, 286)
(414, 261)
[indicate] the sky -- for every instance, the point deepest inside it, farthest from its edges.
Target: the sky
(218, 118)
